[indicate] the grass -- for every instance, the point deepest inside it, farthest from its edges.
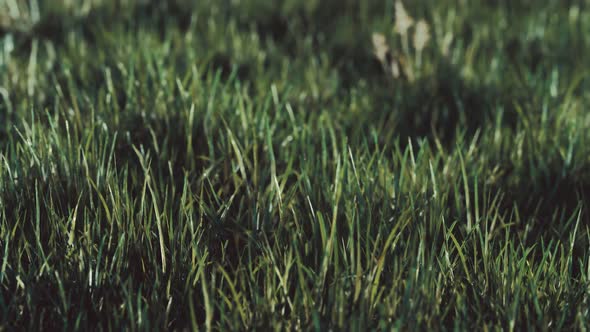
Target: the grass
(237, 165)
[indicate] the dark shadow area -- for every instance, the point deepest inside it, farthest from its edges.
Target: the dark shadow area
(6, 121)
(94, 303)
(438, 106)
(547, 197)
(542, 210)
(228, 69)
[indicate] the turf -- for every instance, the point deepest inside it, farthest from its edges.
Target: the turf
(239, 165)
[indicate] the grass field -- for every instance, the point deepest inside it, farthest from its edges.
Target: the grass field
(252, 165)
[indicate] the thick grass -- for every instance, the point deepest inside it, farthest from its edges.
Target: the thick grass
(240, 165)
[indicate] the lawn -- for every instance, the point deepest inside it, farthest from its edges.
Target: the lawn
(294, 165)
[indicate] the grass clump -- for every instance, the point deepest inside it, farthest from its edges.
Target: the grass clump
(250, 165)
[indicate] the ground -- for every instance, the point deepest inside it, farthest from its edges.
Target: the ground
(298, 165)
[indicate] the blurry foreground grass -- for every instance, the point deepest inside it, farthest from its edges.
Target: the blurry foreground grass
(249, 165)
